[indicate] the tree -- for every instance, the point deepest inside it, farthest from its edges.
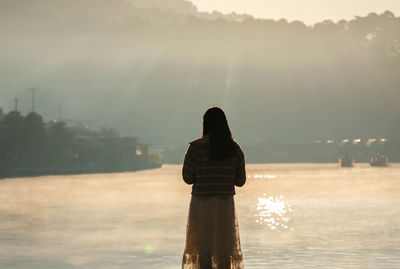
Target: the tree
(11, 137)
(59, 143)
(34, 138)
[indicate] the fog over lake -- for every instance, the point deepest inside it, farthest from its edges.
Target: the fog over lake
(290, 216)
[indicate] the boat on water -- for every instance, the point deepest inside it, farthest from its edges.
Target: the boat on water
(346, 161)
(379, 160)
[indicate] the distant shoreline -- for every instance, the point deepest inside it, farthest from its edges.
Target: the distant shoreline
(20, 174)
(38, 173)
(300, 162)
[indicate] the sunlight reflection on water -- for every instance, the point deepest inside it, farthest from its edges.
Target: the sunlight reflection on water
(341, 219)
(272, 212)
(263, 176)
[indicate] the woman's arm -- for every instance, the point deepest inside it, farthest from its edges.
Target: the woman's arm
(240, 176)
(188, 170)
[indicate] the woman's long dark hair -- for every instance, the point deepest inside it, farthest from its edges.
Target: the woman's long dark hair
(216, 126)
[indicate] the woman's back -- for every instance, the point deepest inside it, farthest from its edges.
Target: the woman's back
(214, 164)
(210, 176)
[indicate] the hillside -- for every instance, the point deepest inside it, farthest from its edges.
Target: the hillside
(153, 67)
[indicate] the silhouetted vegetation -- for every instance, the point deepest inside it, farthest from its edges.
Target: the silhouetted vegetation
(29, 146)
(157, 65)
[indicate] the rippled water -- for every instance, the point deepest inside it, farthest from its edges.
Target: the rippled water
(290, 216)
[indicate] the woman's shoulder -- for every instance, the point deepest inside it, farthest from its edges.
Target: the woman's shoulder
(196, 141)
(201, 141)
(238, 149)
(197, 144)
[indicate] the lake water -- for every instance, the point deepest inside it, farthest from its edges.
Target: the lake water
(290, 216)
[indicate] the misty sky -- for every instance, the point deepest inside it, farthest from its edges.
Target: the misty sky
(309, 11)
(152, 75)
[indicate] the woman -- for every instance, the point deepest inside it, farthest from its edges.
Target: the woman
(214, 164)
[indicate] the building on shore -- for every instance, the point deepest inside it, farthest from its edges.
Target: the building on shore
(54, 148)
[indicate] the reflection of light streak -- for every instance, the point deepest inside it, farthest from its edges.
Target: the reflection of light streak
(272, 213)
(263, 176)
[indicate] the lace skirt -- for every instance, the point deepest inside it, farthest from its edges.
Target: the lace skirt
(212, 237)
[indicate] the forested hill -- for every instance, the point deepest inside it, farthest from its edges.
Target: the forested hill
(150, 10)
(153, 67)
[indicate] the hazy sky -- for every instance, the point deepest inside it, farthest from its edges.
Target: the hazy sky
(309, 11)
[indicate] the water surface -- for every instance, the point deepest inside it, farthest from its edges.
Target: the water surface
(290, 216)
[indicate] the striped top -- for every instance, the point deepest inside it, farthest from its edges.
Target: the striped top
(212, 177)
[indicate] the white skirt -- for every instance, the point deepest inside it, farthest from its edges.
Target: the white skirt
(212, 237)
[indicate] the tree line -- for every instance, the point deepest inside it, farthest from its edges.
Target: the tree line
(277, 80)
(29, 146)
